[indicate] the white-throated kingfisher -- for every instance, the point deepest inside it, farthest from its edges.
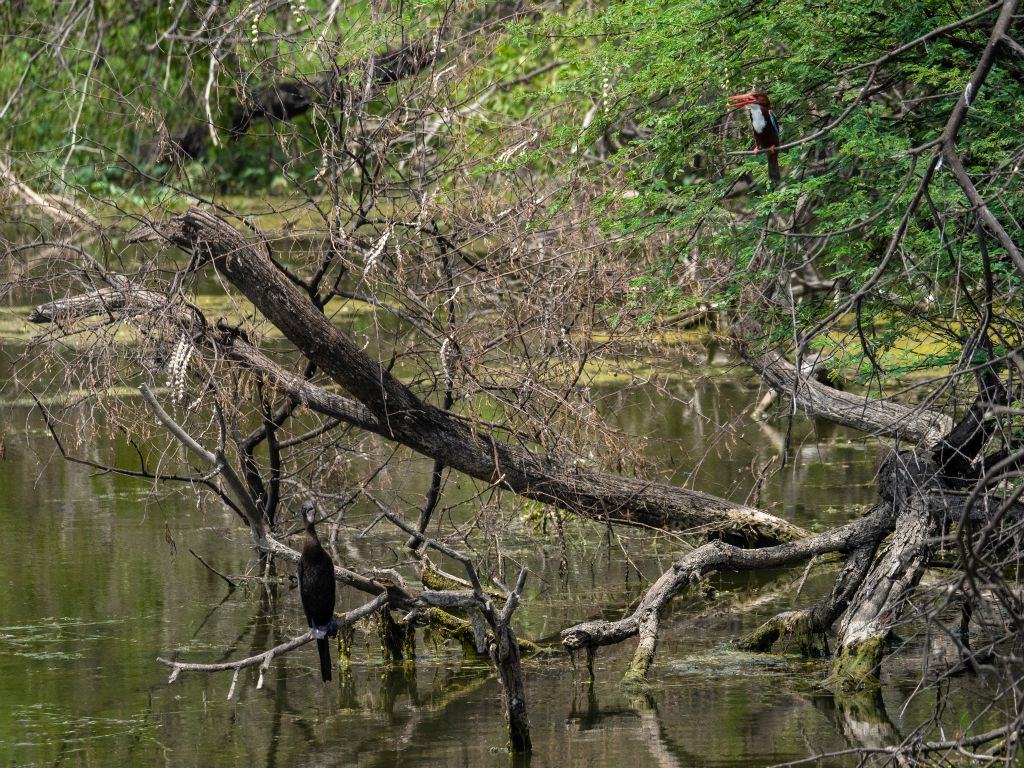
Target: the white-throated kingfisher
(767, 133)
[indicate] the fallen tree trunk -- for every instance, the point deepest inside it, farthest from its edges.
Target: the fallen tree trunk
(718, 517)
(885, 590)
(285, 100)
(699, 564)
(401, 416)
(876, 417)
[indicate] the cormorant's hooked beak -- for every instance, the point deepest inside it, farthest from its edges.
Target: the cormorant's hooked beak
(741, 100)
(308, 512)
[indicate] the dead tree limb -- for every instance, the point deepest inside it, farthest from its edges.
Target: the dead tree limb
(714, 556)
(876, 417)
(403, 417)
(504, 648)
(218, 461)
(957, 453)
(267, 657)
(922, 490)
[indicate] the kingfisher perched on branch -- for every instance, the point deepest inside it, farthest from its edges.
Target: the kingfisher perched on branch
(767, 133)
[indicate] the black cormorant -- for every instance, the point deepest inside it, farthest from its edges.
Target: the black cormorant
(316, 587)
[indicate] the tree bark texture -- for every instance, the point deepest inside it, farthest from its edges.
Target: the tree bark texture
(505, 655)
(882, 595)
(875, 417)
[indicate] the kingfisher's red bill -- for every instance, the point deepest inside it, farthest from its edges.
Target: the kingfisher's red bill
(745, 99)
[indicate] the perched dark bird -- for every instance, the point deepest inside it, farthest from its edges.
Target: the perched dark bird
(767, 133)
(316, 588)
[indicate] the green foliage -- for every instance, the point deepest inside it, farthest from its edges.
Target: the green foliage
(629, 105)
(102, 85)
(664, 69)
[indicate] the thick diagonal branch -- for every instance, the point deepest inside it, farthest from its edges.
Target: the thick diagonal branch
(435, 433)
(876, 417)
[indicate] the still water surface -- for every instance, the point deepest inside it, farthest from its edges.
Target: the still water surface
(99, 581)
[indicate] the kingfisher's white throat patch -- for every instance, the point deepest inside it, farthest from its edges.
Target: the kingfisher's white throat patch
(757, 117)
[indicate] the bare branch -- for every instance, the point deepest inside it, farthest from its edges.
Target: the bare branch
(264, 659)
(876, 417)
(216, 460)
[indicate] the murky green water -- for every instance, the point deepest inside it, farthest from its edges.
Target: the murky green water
(99, 581)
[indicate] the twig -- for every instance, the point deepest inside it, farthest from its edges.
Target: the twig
(513, 596)
(807, 572)
(332, 12)
(478, 588)
(100, 31)
(970, 92)
(232, 585)
(210, 79)
(140, 474)
(217, 460)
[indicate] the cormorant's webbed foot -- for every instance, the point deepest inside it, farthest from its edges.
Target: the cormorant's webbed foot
(330, 629)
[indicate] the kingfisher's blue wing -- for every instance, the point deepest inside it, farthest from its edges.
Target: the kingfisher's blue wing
(775, 124)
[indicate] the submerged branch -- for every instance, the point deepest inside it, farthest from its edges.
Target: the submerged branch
(694, 566)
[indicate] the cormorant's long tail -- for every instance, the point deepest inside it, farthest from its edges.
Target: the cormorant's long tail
(324, 649)
(773, 166)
